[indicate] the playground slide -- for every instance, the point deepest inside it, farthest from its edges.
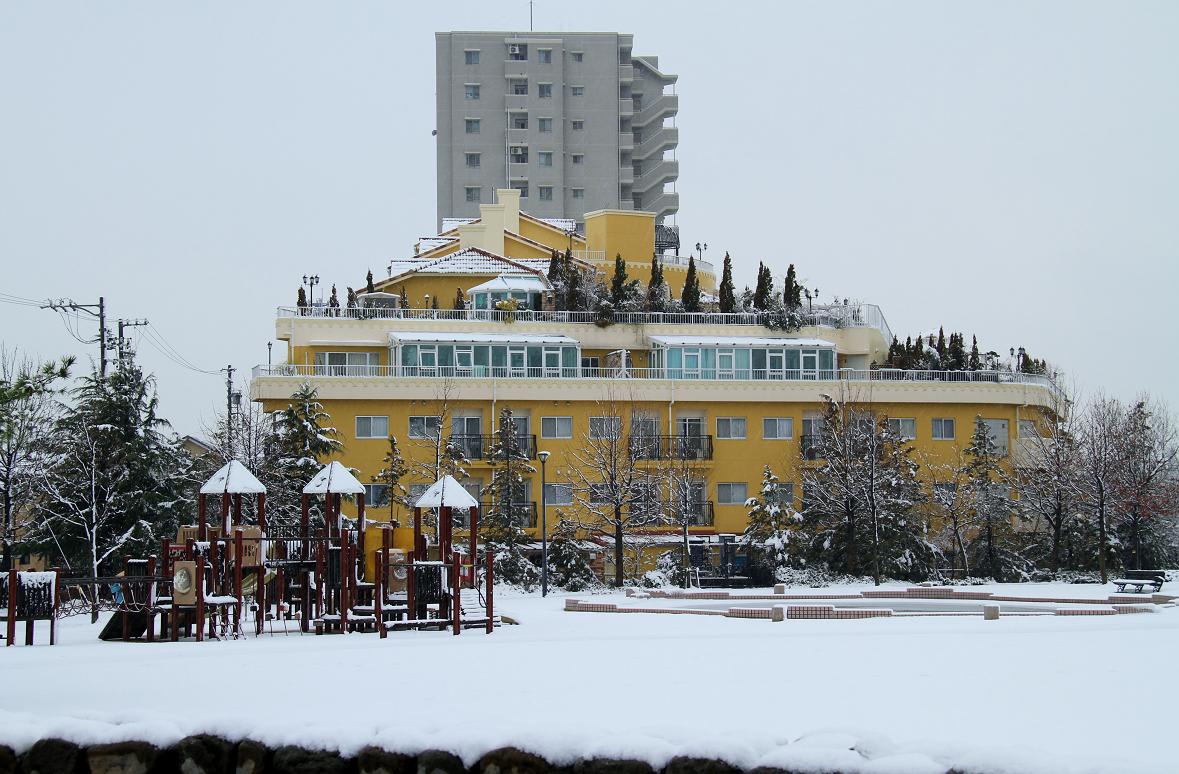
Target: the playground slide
(136, 627)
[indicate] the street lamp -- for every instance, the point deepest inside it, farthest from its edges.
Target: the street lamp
(269, 354)
(700, 248)
(311, 281)
(543, 456)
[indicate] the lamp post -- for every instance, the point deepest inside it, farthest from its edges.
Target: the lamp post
(543, 456)
(269, 354)
(311, 281)
(700, 248)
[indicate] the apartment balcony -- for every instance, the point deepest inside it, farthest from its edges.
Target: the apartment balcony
(516, 102)
(696, 513)
(626, 107)
(626, 141)
(808, 445)
(655, 175)
(626, 175)
(626, 73)
(481, 447)
(515, 68)
(662, 204)
(656, 142)
(671, 447)
(523, 513)
(656, 109)
(517, 136)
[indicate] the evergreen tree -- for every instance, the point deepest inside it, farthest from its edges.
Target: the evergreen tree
(503, 521)
(352, 303)
(792, 291)
(690, 297)
(656, 287)
(940, 347)
(557, 279)
(460, 299)
(334, 303)
(773, 524)
(765, 288)
(368, 283)
(728, 299)
(572, 285)
(404, 298)
(618, 281)
(393, 469)
(434, 302)
(569, 566)
(975, 362)
(993, 548)
(301, 302)
(303, 441)
(956, 353)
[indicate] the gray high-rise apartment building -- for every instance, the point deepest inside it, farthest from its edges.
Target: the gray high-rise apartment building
(571, 120)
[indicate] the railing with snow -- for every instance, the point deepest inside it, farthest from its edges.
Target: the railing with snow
(830, 316)
(678, 374)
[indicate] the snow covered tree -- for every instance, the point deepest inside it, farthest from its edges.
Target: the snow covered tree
(351, 299)
(303, 441)
(956, 353)
(791, 290)
(618, 281)
(1047, 472)
(506, 514)
(727, 296)
(334, 303)
(690, 296)
(1100, 459)
(764, 291)
(773, 527)
(683, 471)
(657, 293)
(404, 298)
(301, 301)
(569, 566)
(1147, 488)
(974, 362)
(993, 544)
(393, 470)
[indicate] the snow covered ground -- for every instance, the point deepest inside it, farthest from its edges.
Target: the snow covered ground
(1038, 694)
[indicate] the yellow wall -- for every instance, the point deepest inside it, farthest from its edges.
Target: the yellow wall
(621, 232)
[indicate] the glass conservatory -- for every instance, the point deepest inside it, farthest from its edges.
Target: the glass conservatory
(742, 357)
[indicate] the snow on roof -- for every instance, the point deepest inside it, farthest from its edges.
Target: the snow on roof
(427, 243)
(479, 338)
(233, 478)
(446, 492)
(472, 260)
(506, 282)
(565, 224)
(334, 478)
(737, 341)
(449, 224)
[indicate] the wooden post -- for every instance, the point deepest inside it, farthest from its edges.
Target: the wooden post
(445, 533)
(262, 511)
(490, 589)
(57, 599)
(200, 598)
(379, 595)
(417, 533)
(225, 513)
(345, 580)
(237, 510)
(360, 524)
(126, 619)
(473, 517)
(238, 546)
(320, 567)
(151, 599)
(410, 586)
(11, 632)
(456, 609)
(202, 522)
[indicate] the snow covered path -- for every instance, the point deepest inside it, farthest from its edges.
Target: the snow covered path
(913, 695)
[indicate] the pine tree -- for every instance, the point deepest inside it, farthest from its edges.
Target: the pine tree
(618, 281)
(940, 347)
(791, 290)
(956, 353)
(558, 279)
(572, 285)
(656, 287)
(368, 283)
(569, 566)
(393, 469)
(404, 298)
(993, 548)
(690, 297)
(334, 303)
(974, 363)
(765, 288)
(503, 522)
(772, 529)
(303, 441)
(460, 299)
(301, 302)
(728, 299)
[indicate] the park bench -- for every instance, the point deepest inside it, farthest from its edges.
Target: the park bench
(1142, 580)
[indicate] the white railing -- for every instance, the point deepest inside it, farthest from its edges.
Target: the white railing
(295, 370)
(832, 316)
(590, 256)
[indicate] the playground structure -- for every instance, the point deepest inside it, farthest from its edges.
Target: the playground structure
(233, 572)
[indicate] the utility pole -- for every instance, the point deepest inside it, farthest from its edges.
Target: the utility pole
(68, 303)
(229, 409)
(122, 343)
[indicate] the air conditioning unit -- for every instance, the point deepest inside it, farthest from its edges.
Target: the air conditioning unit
(515, 49)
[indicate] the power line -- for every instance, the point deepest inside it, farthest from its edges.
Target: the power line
(8, 298)
(153, 336)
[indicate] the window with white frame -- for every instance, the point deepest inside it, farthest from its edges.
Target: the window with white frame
(735, 493)
(578, 193)
(372, 427)
(471, 56)
(473, 193)
(903, 427)
(544, 158)
(730, 427)
(943, 429)
(544, 90)
(346, 363)
(424, 427)
(605, 427)
(544, 55)
(578, 124)
(518, 87)
(544, 125)
(471, 125)
(777, 428)
(471, 91)
(556, 427)
(1027, 429)
(600, 493)
(544, 193)
(997, 430)
(558, 494)
(473, 160)
(577, 91)
(376, 495)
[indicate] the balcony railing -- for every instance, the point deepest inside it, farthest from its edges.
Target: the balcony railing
(480, 447)
(831, 316)
(294, 370)
(671, 447)
(523, 513)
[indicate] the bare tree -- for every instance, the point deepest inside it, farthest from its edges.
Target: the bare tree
(1100, 461)
(440, 453)
(945, 507)
(683, 472)
(1145, 485)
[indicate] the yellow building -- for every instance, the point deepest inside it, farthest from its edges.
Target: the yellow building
(720, 394)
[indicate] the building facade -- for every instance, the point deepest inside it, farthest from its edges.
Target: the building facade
(573, 121)
(707, 398)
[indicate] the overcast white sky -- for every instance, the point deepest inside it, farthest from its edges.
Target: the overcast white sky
(1005, 168)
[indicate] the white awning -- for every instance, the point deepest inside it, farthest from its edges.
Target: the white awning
(334, 478)
(506, 283)
(233, 478)
(737, 341)
(446, 492)
(477, 338)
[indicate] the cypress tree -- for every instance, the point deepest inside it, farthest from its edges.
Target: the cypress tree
(975, 362)
(728, 299)
(792, 291)
(941, 344)
(956, 353)
(761, 295)
(618, 281)
(572, 285)
(368, 285)
(352, 304)
(404, 298)
(691, 293)
(655, 286)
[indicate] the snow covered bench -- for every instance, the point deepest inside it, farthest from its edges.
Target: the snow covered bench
(1141, 580)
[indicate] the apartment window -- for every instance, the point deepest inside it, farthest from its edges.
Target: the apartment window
(787, 490)
(474, 193)
(997, 430)
(471, 91)
(545, 158)
(544, 55)
(578, 56)
(732, 494)
(945, 494)
(556, 427)
(424, 427)
(521, 186)
(471, 56)
(518, 52)
(544, 124)
(730, 427)
(578, 158)
(518, 154)
(605, 427)
(943, 429)
(372, 427)
(777, 428)
(545, 193)
(1027, 429)
(519, 121)
(347, 363)
(416, 491)
(905, 428)
(577, 91)
(599, 493)
(472, 125)
(519, 88)
(376, 495)
(589, 362)
(637, 201)
(578, 193)
(558, 494)
(472, 160)
(544, 90)
(578, 124)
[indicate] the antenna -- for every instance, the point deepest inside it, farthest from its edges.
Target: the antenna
(530, 16)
